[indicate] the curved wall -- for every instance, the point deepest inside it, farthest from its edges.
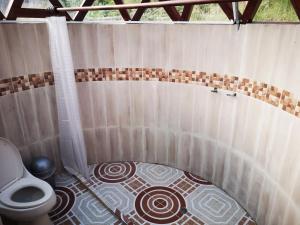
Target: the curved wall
(248, 145)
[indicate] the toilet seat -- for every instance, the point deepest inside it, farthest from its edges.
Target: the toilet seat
(6, 196)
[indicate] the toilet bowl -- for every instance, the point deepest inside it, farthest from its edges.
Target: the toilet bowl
(23, 197)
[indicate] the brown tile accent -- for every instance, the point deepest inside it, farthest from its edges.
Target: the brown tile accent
(95, 74)
(273, 96)
(20, 83)
(187, 76)
(150, 74)
(245, 86)
(36, 80)
(6, 87)
(230, 83)
(49, 78)
(215, 80)
(162, 75)
(246, 220)
(122, 74)
(204, 79)
(297, 109)
(135, 73)
(82, 75)
(109, 73)
(288, 102)
(135, 184)
(176, 76)
(259, 90)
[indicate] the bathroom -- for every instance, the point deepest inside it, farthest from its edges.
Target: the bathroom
(181, 122)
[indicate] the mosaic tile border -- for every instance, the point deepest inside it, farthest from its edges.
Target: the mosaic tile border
(270, 94)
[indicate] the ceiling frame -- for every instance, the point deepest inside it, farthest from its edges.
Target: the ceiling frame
(12, 11)
(227, 9)
(124, 12)
(1, 16)
(139, 12)
(250, 11)
(56, 3)
(187, 12)
(296, 5)
(172, 12)
(81, 14)
(15, 10)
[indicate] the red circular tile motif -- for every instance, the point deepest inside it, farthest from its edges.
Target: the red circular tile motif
(65, 199)
(114, 172)
(161, 205)
(196, 179)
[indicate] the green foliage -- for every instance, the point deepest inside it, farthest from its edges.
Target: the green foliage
(269, 10)
(276, 10)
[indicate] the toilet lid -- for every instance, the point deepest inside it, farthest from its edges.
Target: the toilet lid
(11, 165)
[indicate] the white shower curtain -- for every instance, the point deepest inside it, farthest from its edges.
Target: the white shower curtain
(71, 140)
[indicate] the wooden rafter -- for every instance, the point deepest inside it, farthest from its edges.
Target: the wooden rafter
(124, 13)
(31, 12)
(187, 12)
(80, 15)
(57, 4)
(144, 5)
(250, 11)
(1, 16)
(227, 9)
(172, 12)
(139, 12)
(14, 6)
(296, 5)
(15, 9)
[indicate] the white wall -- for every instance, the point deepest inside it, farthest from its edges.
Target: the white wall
(242, 144)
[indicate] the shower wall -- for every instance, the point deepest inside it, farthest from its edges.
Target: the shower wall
(145, 95)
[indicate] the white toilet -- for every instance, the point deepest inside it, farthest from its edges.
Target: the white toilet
(23, 197)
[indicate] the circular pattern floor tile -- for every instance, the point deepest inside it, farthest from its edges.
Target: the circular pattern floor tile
(161, 205)
(196, 179)
(114, 172)
(65, 199)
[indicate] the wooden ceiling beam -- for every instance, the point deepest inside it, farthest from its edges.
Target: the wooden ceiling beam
(144, 5)
(14, 5)
(187, 12)
(296, 5)
(139, 12)
(124, 13)
(57, 4)
(227, 9)
(1, 16)
(172, 12)
(250, 11)
(33, 13)
(80, 15)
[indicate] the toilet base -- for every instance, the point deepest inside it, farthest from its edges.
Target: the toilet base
(42, 220)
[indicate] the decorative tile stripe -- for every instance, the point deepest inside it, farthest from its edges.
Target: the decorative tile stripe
(259, 90)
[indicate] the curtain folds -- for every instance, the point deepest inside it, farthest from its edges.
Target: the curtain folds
(71, 140)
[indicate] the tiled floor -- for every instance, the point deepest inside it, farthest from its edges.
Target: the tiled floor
(142, 193)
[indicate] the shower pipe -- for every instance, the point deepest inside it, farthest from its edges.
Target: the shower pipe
(143, 5)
